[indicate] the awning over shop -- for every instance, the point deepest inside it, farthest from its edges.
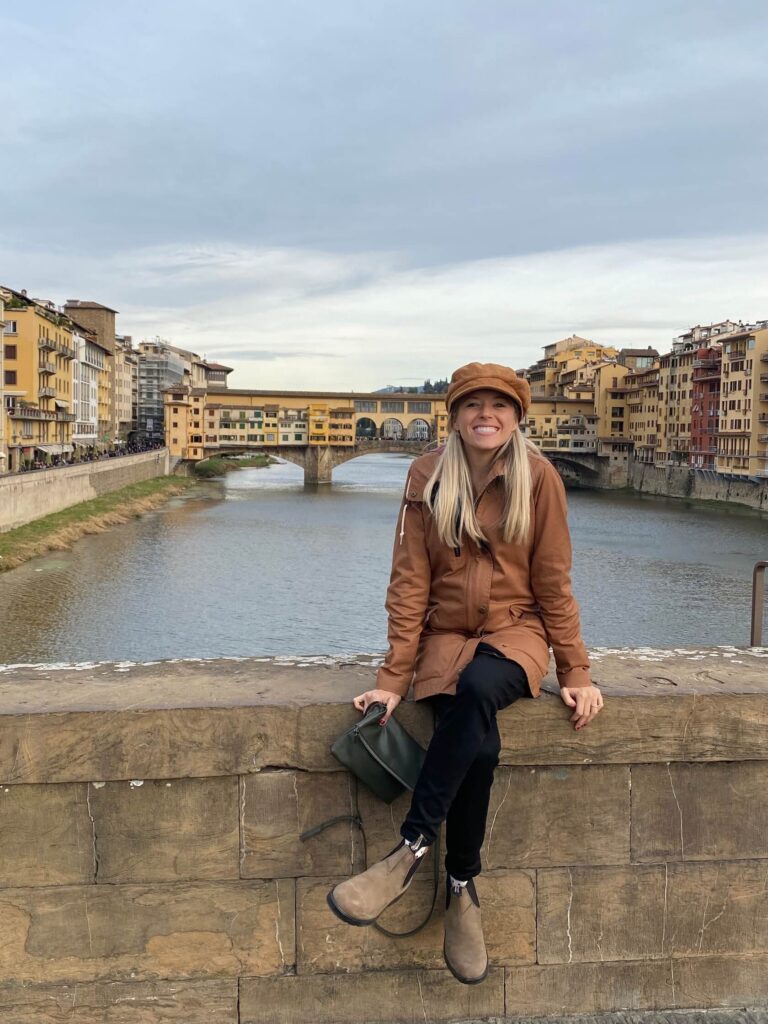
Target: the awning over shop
(55, 449)
(60, 404)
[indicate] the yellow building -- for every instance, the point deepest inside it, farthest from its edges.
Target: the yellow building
(200, 422)
(37, 376)
(567, 369)
(642, 407)
(566, 423)
(742, 448)
(613, 441)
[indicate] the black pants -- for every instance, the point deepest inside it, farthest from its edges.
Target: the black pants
(455, 783)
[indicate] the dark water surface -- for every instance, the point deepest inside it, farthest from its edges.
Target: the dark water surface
(256, 565)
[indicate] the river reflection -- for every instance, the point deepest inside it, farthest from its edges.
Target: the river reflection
(257, 565)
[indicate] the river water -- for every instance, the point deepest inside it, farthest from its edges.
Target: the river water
(257, 565)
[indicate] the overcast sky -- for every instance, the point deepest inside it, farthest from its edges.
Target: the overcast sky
(350, 193)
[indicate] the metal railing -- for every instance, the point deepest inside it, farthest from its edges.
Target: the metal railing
(758, 602)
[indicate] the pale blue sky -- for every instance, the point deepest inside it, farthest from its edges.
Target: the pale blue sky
(364, 192)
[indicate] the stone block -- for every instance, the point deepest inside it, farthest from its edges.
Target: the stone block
(139, 932)
(326, 944)
(176, 742)
(564, 815)
(149, 1002)
(638, 729)
(721, 981)
(381, 997)
(699, 811)
(588, 988)
(646, 911)
(173, 830)
(277, 806)
(46, 836)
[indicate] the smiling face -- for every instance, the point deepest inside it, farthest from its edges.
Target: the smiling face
(485, 420)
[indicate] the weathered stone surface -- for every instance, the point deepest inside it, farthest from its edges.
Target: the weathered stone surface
(722, 981)
(563, 815)
(638, 729)
(186, 1002)
(699, 811)
(402, 997)
(117, 932)
(532, 821)
(46, 837)
(230, 718)
(326, 944)
(647, 911)
(276, 807)
(166, 830)
(588, 988)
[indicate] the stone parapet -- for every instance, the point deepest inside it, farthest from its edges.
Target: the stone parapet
(25, 497)
(151, 868)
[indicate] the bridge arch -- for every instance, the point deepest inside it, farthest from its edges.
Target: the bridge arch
(418, 430)
(365, 427)
(392, 429)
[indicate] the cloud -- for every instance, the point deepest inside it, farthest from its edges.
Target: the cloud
(357, 321)
(265, 355)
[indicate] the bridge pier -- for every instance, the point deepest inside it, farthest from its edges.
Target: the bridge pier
(318, 465)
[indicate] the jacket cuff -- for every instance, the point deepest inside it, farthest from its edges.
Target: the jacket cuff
(574, 677)
(384, 681)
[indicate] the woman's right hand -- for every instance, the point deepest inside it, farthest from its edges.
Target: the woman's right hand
(391, 700)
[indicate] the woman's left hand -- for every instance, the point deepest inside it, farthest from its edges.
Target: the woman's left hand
(587, 700)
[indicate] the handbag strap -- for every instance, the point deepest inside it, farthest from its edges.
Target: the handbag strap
(358, 821)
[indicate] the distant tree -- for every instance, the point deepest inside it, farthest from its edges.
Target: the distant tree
(439, 387)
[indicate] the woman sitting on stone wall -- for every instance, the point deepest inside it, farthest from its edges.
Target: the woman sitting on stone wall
(480, 589)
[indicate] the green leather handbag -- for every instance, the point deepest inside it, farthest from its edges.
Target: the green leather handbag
(385, 758)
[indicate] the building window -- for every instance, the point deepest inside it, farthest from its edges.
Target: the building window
(392, 406)
(10, 377)
(10, 351)
(419, 407)
(297, 437)
(365, 405)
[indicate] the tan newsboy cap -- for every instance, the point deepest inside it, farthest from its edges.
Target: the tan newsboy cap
(474, 376)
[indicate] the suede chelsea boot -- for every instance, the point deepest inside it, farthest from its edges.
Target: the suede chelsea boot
(464, 946)
(361, 899)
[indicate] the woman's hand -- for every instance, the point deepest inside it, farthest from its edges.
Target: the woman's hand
(586, 699)
(382, 697)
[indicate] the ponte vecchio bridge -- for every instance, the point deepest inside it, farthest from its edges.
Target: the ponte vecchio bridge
(315, 430)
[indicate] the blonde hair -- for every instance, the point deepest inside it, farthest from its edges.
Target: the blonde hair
(452, 503)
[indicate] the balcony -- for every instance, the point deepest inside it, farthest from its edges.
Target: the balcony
(30, 412)
(66, 351)
(65, 417)
(762, 438)
(762, 417)
(46, 367)
(46, 343)
(47, 392)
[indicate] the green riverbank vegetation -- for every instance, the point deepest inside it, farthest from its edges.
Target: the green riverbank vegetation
(59, 531)
(219, 466)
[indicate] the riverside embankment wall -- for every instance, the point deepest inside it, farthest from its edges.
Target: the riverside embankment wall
(678, 482)
(28, 496)
(151, 868)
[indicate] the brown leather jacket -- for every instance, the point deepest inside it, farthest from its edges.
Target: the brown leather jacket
(515, 597)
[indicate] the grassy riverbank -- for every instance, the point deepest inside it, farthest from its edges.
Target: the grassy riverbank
(59, 531)
(220, 466)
